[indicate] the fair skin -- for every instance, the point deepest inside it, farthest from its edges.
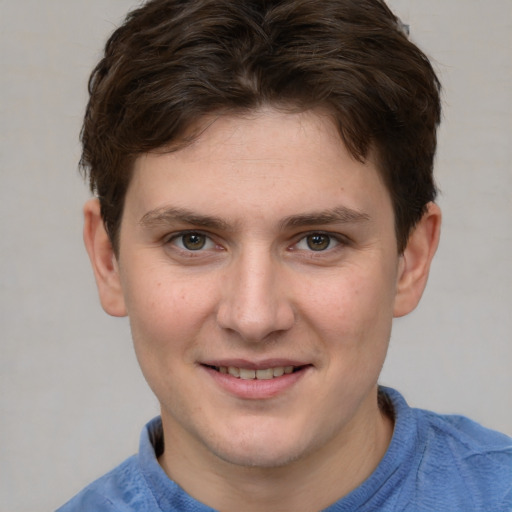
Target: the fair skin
(263, 248)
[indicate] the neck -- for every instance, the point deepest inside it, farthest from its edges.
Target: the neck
(311, 483)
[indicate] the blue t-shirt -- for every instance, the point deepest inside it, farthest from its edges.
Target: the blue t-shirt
(433, 463)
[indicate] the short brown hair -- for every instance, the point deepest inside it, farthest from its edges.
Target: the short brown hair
(174, 61)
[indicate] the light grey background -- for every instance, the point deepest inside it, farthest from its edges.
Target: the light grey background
(72, 398)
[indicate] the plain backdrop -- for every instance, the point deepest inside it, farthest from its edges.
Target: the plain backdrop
(72, 399)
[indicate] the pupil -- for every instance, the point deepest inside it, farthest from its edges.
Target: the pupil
(194, 241)
(318, 242)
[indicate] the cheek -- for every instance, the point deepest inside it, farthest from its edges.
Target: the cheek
(352, 302)
(166, 319)
(354, 321)
(166, 314)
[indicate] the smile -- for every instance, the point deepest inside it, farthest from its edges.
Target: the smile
(261, 380)
(252, 374)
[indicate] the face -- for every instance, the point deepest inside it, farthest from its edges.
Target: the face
(259, 270)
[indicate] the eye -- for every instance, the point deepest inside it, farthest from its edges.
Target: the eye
(317, 242)
(193, 241)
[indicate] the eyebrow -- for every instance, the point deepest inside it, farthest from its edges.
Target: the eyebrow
(169, 215)
(339, 215)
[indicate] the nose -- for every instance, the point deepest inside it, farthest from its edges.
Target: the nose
(255, 301)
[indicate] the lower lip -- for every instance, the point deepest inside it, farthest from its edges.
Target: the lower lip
(255, 389)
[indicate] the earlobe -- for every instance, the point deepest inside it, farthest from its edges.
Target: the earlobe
(415, 261)
(103, 260)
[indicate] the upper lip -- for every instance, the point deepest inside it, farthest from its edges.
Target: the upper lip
(254, 365)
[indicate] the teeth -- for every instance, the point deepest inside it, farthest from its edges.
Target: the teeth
(249, 374)
(232, 370)
(265, 374)
(278, 371)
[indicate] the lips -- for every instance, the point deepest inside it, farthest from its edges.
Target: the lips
(258, 374)
(256, 380)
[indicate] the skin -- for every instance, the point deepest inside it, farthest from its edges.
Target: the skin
(299, 265)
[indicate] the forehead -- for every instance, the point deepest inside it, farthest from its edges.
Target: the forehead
(268, 157)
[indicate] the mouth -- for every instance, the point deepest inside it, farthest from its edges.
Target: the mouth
(256, 374)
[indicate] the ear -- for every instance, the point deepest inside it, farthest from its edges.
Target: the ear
(103, 260)
(415, 261)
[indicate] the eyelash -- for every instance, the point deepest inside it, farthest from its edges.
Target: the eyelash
(339, 242)
(180, 236)
(337, 239)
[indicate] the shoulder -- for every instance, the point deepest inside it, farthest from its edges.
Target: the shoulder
(122, 489)
(462, 438)
(459, 457)
(445, 462)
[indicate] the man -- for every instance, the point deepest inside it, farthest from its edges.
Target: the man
(265, 207)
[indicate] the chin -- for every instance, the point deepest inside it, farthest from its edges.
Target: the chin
(257, 459)
(257, 451)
